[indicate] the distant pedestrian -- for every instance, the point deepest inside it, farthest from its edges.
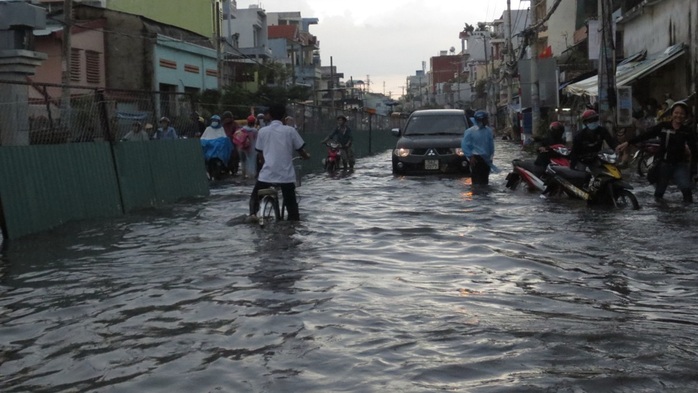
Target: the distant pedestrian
(246, 137)
(166, 131)
(478, 146)
(230, 126)
(137, 133)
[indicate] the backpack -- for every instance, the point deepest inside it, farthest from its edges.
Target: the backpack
(241, 139)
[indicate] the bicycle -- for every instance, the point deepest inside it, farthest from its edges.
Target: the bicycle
(270, 210)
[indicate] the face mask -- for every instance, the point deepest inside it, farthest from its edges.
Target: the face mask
(214, 124)
(593, 126)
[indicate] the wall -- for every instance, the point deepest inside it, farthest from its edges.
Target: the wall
(44, 186)
(194, 65)
(192, 15)
(650, 30)
(561, 27)
(655, 29)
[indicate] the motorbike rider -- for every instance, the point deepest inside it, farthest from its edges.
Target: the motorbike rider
(678, 141)
(556, 136)
(342, 135)
(587, 144)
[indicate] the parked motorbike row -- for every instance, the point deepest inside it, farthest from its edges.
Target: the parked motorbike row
(600, 184)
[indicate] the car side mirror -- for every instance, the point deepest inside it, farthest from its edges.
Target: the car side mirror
(395, 131)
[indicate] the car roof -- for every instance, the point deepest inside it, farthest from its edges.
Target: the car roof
(438, 112)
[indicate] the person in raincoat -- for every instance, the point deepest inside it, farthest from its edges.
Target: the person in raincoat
(216, 144)
(478, 147)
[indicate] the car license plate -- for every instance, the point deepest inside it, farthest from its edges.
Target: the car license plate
(431, 164)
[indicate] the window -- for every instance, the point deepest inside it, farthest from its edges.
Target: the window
(75, 66)
(93, 67)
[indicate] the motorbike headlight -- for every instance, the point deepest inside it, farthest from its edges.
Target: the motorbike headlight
(458, 151)
(402, 152)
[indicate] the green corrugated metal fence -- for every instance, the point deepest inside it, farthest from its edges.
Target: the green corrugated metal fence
(160, 172)
(43, 186)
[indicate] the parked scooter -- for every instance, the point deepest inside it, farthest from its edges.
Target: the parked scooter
(602, 184)
(645, 155)
(534, 175)
(334, 155)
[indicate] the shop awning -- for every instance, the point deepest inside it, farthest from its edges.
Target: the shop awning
(628, 72)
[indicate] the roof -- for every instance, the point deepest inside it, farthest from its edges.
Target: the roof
(628, 72)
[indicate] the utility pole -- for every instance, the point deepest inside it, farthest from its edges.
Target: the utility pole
(693, 12)
(217, 39)
(330, 86)
(510, 62)
(535, 96)
(66, 49)
(607, 69)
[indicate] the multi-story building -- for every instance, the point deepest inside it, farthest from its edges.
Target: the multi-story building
(292, 43)
(249, 48)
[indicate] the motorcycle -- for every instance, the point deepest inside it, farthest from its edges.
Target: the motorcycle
(645, 155)
(602, 184)
(334, 155)
(217, 154)
(534, 175)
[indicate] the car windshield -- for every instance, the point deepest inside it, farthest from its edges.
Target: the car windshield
(436, 125)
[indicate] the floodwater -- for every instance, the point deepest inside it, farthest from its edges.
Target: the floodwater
(389, 284)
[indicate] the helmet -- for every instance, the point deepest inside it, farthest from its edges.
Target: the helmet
(556, 126)
(682, 104)
(227, 115)
(251, 119)
(215, 118)
(589, 115)
(164, 119)
(481, 115)
(342, 117)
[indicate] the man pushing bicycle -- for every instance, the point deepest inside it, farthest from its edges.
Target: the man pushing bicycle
(276, 145)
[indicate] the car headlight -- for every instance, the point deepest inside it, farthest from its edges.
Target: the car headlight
(458, 151)
(402, 152)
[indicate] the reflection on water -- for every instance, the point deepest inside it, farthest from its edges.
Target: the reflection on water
(411, 284)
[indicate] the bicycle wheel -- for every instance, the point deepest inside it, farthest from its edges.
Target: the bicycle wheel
(269, 210)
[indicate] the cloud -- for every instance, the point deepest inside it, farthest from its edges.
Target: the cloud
(387, 40)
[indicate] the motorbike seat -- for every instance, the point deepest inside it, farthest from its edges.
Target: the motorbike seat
(571, 174)
(530, 166)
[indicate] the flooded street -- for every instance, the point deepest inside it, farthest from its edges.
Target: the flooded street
(389, 284)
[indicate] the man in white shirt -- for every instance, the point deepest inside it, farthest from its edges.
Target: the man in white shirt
(276, 145)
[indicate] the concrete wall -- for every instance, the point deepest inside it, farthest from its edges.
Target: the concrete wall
(195, 66)
(660, 26)
(51, 70)
(192, 15)
(561, 26)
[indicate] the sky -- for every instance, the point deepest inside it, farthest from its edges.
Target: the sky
(385, 41)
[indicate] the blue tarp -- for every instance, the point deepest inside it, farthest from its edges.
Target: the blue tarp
(221, 148)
